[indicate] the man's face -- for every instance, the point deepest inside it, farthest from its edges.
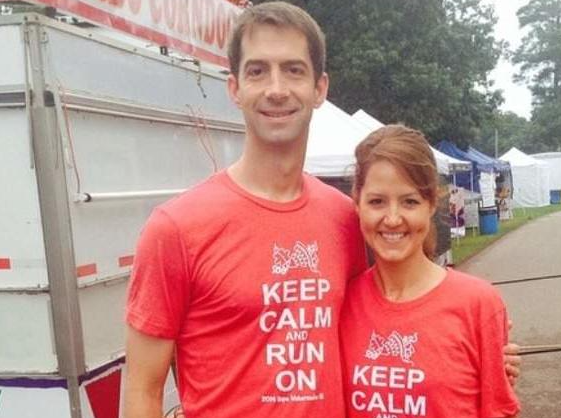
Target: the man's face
(275, 88)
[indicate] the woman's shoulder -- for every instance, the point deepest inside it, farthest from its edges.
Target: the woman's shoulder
(472, 289)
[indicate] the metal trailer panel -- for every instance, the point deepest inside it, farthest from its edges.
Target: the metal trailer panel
(34, 402)
(118, 154)
(100, 395)
(21, 234)
(121, 155)
(26, 335)
(108, 68)
(102, 309)
(12, 59)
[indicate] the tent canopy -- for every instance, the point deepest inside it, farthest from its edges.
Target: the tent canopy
(332, 140)
(334, 135)
(553, 160)
(481, 163)
(445, 164)
(370, 121)
(487, 161)
(530, 179)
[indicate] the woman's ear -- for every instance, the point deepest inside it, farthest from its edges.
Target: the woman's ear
(433, 208)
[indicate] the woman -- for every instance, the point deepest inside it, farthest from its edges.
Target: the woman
(417, 339)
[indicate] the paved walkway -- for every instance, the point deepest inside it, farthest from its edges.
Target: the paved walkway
(526, 265)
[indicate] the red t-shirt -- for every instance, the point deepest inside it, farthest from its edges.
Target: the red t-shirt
(437, 356)
(251, 292)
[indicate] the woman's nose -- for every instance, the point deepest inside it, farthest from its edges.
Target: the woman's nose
(393, 217)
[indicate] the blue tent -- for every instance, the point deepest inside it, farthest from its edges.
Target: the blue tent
(467, 180)
(503, 179)
(498, 165)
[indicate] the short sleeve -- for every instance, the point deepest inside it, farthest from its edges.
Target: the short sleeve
(497, 395)
(159, 288)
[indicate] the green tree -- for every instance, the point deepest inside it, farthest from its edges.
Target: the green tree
(539, 58)
(511, 131)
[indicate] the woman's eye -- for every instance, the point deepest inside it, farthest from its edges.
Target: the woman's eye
(375, 202)
(412, 202)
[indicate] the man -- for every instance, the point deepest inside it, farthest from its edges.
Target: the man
(242, 277)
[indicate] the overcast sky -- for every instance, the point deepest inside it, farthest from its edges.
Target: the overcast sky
(517, 97)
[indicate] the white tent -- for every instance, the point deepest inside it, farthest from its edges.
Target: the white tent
(332, 139)
(445, 164)
(367, 120)
(334, 135)
(553, 160)
(530, 179)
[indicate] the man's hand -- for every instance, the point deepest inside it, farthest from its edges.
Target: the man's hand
(175, 412)
(512, 360)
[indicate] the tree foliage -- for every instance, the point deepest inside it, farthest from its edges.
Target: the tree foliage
(424, 63)
(540, 51)
(539, 57)
(510, 129)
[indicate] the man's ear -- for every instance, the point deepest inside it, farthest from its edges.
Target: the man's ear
(233, 89)
(322, 86)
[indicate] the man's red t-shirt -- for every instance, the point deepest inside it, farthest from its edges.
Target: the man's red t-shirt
(250, 290)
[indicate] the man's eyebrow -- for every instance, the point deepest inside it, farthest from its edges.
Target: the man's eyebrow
(254, 62)
(294, 62)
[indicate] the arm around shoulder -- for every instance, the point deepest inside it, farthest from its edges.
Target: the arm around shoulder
(148, 362)
(497, 395)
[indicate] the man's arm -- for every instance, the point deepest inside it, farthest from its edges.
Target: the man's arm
(148, 362)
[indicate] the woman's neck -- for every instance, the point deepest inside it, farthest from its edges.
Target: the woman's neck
(408, 280)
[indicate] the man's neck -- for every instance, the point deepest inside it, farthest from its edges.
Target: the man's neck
(273, 175)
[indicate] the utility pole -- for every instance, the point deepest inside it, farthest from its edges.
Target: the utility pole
(496, 143)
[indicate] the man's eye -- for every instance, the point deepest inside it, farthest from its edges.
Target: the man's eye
(254, 72)
(375, 202)
(296, 70)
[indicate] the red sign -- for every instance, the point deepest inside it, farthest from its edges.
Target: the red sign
(196, 27)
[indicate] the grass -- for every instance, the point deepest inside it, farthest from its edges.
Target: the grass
(471, 244)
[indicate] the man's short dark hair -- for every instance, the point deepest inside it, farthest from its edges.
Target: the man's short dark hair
(282, 15)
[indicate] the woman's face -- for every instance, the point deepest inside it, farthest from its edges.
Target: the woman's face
(394, 218)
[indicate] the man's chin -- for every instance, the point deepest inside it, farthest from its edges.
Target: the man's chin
(282, 138)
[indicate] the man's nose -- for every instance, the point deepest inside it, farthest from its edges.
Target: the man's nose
(277, 88)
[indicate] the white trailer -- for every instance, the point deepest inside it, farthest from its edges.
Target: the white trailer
(93, 134)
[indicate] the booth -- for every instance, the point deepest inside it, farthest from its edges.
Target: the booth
(553, 160)
(530, 179)
(502, 177)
